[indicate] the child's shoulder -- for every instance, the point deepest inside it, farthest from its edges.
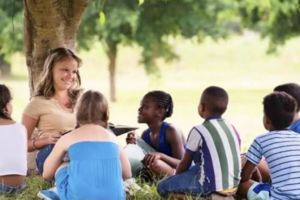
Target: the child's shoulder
(278, 134)
(172, 129)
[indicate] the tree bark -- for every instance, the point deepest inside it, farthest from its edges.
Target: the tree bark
(49, 24)
(112, 56)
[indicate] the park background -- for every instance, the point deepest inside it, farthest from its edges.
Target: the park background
(223, 43)
(239, 64)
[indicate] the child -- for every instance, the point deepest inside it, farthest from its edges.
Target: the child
(163, 142)
(292, 89)
(281, 149)
(13, 147)
(97, 167)
(214, 146)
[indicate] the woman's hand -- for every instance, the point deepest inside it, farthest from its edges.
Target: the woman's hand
(51, 139)
(39, 143)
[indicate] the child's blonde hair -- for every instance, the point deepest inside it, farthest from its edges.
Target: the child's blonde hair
(92, 108)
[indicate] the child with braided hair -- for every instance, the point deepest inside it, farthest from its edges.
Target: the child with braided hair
(162, 143)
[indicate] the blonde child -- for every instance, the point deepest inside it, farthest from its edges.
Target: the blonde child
(97, 166)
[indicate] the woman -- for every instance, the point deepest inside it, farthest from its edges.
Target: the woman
(50, 110)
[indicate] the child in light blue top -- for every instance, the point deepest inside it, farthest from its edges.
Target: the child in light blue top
(97, 166)
(281, 150)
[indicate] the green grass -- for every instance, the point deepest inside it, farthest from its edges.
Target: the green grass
(34, 184)
(239, 64)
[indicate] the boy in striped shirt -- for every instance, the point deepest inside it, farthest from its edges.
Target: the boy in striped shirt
(213, 146)
(281, 149)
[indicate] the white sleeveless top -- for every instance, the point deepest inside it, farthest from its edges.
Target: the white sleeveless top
(13, 149)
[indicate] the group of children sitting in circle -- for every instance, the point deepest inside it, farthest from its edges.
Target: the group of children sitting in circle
(76, 149)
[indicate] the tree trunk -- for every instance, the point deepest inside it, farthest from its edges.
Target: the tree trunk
(112, 56)
(49, 24)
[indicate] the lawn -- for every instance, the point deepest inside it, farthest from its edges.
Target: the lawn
(239, 64)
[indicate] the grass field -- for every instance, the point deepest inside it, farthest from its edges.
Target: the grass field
(239, 64)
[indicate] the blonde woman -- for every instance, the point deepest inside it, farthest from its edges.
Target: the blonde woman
(50, 111)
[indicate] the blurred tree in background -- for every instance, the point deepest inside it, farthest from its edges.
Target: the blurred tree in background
(279, 20)
(11, 33)
(112, 23)
(150, 25)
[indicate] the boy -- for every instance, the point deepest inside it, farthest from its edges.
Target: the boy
(292, 89)
(281, 149)
(214, 146)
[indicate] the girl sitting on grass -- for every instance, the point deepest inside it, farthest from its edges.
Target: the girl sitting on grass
(96, 167)
(13, 147)
(162, 143)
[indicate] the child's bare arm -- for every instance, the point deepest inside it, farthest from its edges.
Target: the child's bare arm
(247, 171)
(174, 138)
(185, 163)
(126, 168)
(54, 160)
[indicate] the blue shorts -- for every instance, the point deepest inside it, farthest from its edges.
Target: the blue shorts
(259, 191)
(42, 156)
(5, 189)
(184, 183)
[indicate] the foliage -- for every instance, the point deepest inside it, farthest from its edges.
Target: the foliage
(279, 20)
(11, 23)
(158, 20)
(115, 29)
(150, 24)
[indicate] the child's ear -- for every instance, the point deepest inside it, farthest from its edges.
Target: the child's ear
(267, 123)
(160, 112)
(201, 108)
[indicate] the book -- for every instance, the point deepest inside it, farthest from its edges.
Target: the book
(120, 129)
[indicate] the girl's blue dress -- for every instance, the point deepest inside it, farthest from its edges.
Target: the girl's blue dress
(94, 173)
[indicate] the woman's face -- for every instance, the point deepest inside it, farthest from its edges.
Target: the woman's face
(64, 74)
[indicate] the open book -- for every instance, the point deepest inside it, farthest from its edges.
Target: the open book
(120, 129)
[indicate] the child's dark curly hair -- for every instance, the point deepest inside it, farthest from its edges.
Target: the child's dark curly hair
(280, 108)
(163, 100)
(292, 89)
